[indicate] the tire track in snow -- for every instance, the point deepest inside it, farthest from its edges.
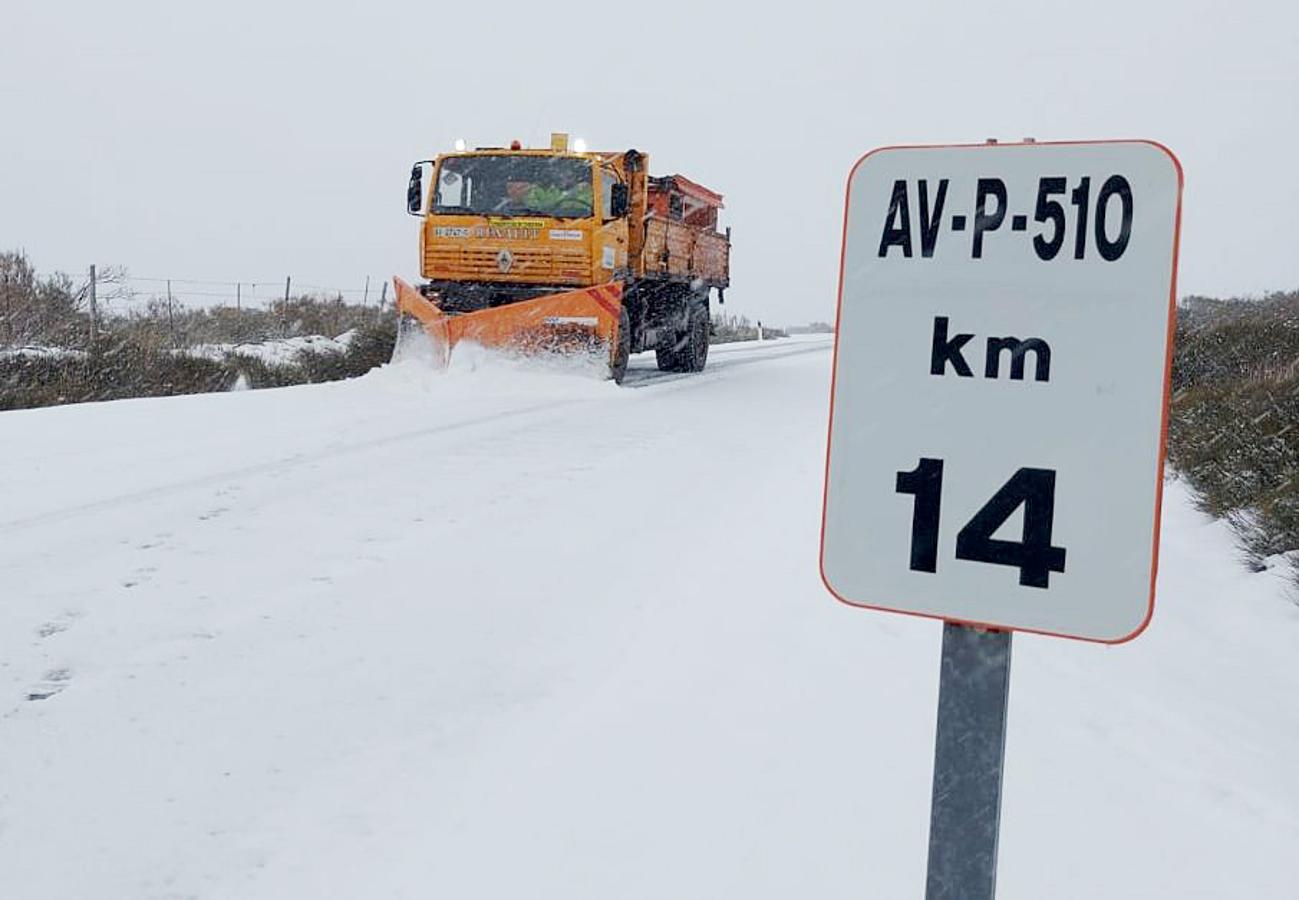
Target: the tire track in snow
(282, 464)
(718, 363)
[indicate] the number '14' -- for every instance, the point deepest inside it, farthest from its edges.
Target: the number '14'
(1032, 554)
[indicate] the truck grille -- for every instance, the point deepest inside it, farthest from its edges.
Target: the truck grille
(563, 264)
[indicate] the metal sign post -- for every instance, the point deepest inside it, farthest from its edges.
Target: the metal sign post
(969, 752)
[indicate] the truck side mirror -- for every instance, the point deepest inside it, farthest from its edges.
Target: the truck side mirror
(415, 190)
(618, 201)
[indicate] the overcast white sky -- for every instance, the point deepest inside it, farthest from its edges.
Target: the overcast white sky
(249, 140)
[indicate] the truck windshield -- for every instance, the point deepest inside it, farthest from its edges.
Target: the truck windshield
(514, 186)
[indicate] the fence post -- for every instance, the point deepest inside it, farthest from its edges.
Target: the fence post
(171, 316)
(9, 316)
(94, 309)
(366, 297)
(284, 310)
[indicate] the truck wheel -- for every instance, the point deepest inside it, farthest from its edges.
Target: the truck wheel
(671, 355)
(695, 353)
(668, 359)
(621, 351)
(689, 349)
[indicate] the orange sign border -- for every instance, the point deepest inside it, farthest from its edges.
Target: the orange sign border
(1163, 424)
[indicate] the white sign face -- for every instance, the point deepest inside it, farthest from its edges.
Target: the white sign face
(1000, 384)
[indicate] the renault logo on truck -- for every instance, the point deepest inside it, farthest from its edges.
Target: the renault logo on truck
(504, 260)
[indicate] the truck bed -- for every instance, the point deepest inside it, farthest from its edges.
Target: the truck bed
(675, 251)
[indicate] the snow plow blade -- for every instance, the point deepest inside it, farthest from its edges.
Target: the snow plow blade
(579, 322)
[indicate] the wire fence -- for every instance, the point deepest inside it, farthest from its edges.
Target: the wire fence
(128, 291)
(75, 309)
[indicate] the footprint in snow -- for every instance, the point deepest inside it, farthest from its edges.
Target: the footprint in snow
(56, 626)
(54, 682)
(139, 576)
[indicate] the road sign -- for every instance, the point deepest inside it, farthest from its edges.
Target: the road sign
(1001, 382)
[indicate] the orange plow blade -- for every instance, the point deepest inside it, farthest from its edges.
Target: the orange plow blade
(584, 321)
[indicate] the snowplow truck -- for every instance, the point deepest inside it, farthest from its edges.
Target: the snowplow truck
(557, 250)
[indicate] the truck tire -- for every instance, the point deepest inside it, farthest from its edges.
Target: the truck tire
(668, 359)
(689, 349)
(695, 353)
(621, 351)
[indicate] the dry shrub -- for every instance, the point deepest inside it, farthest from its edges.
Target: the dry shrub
(1234, 427)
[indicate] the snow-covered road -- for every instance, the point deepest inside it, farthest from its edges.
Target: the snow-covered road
(514, 634)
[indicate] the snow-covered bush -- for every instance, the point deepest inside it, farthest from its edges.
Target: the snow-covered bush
(1234, 429)
(35, 310)
(728, 328)
(118, 367)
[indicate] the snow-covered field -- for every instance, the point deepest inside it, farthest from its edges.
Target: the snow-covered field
(513, 635)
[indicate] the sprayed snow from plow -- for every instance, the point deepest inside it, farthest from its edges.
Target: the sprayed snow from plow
(470, 358)
(475, 371)
(420, 360)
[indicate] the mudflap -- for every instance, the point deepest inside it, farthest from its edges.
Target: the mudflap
(580, 322)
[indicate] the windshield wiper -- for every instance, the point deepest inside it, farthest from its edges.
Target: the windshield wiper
(550, 213)
(514, 212)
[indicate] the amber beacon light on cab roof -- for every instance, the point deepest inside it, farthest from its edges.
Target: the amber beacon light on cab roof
(564, 250)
